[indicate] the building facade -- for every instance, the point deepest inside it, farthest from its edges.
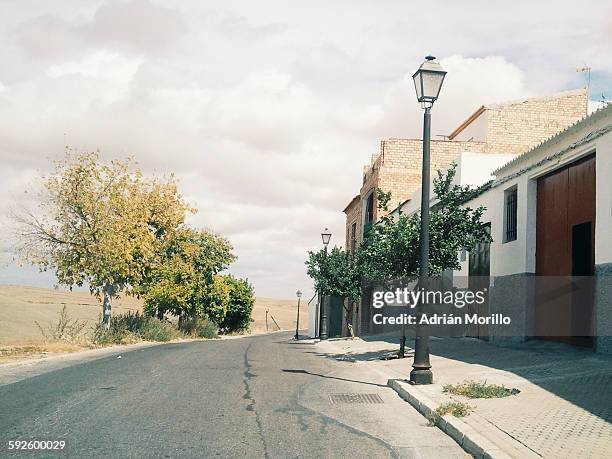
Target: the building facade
(501, 129)
(550, 215)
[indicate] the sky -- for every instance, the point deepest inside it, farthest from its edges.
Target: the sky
(268, 110)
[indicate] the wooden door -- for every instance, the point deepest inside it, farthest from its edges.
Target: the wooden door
(479, 268)
(565, 242)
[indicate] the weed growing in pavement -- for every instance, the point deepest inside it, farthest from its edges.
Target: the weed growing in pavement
(475, 389)
(457, 409)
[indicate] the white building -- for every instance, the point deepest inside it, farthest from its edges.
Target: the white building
(550, 216)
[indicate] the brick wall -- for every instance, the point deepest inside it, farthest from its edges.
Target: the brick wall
(353, 215)
(397, 169)
(519, 126)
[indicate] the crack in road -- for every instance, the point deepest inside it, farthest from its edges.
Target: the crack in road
(248, 375)
(302, 412)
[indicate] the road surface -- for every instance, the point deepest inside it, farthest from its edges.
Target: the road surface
(261, 396)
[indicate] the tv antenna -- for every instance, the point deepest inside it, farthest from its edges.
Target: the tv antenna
(586, 69)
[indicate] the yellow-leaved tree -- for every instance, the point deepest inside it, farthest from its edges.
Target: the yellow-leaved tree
(100, 224)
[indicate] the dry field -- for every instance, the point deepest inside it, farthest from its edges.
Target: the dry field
(21, 307)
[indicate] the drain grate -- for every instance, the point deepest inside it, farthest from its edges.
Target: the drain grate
(355, 398)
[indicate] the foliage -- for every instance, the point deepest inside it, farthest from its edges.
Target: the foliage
(475, 389)
(100, 223)
(335, 273)
(391, 248)
(457, 409)
(132, 327)
(240, 307)
(182, 280)
(217, 300)
(199, 327)
(65, 329)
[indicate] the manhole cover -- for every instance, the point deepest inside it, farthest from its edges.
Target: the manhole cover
(355, 398)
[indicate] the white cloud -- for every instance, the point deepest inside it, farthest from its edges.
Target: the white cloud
(266, 111)
(103, 65)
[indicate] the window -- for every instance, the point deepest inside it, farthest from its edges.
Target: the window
(510, 214)
(369, 216)
(353, 236)
(368, 220)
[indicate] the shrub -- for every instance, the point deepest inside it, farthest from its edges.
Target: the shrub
(158, 330)
(133, 326)
(241, 301)
(65, 329)
(199, 327)
(475, 389)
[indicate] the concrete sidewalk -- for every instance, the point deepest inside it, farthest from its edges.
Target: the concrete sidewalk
(564, 408)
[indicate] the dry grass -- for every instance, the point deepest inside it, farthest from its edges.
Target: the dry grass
(15, 353)
(283, 311)
(22, 307)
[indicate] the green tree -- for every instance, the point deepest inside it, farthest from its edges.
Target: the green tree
(183, 279)
(100, 224)
(335, 273)
(217, 299)
(240, 308)
(391, 249)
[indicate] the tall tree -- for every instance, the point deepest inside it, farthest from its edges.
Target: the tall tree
(100, 224)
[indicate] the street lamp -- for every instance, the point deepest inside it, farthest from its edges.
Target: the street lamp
(325, 237)
(427, 82)
(297, 322)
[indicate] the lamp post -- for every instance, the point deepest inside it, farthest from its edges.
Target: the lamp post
(325, 237)
(427, 82)
(297, 322)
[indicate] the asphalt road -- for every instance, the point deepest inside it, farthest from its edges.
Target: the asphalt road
(254, 397)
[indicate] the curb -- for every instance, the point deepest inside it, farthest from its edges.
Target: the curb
(477, 442)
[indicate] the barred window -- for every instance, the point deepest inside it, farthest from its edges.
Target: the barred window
(510, 214)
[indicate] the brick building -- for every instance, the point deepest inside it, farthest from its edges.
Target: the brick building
(506, 128)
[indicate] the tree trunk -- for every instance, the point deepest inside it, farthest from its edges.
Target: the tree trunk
(106, 305)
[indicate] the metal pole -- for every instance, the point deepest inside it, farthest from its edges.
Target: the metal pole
(421, 368)
(323, 329)
(297, 322)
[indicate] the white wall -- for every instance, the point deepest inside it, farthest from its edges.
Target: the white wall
(603, 218)
(519, 256)
(312, 318)
(476, 130)
(475, 169)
